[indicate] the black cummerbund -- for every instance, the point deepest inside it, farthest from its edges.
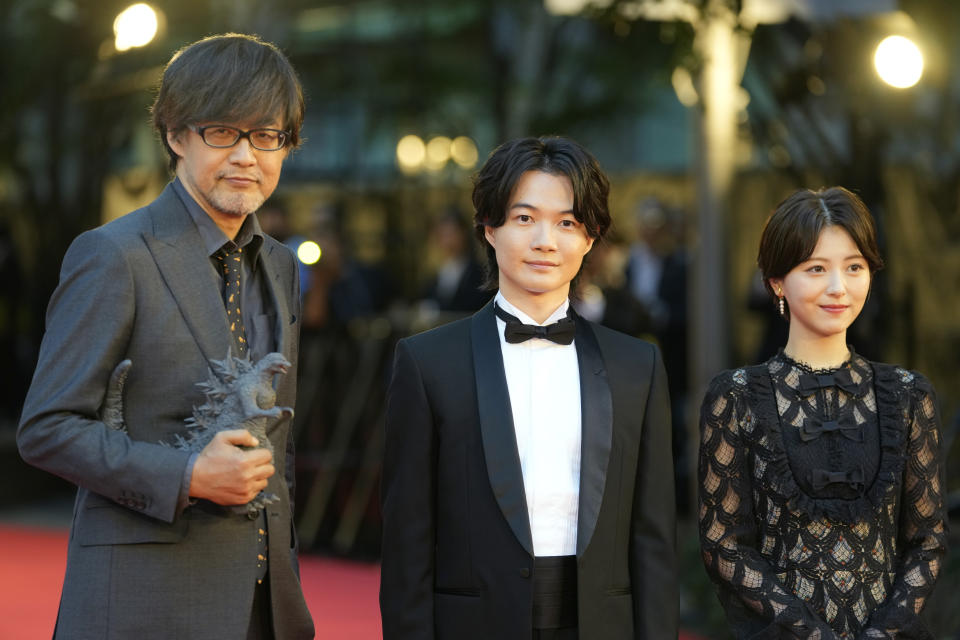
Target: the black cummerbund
(554, 592)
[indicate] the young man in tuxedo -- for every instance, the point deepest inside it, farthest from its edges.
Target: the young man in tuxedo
(527, 479)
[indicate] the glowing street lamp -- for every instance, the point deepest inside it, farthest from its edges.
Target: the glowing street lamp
(135, 26)
(899, 62)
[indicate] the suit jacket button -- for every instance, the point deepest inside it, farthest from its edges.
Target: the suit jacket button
(525, 572)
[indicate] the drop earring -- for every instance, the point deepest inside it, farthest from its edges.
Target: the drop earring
(780, 303)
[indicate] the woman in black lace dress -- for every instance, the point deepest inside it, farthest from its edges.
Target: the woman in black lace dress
(821, 485)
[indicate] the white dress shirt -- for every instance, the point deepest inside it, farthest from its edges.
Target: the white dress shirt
(543, 379)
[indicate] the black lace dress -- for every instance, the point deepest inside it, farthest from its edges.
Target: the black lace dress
(821, 499)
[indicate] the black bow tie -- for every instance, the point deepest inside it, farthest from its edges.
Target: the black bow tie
(811, 382)
(560, 332)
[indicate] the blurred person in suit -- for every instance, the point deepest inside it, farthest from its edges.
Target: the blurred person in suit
(458, 284)
(155, 550)
(602, 295)
(656, 274)
(527, 479)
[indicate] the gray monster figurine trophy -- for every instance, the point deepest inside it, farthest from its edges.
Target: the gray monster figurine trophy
(240, 395)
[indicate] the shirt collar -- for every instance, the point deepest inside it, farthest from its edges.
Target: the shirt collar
(559, 313)
(249, 237)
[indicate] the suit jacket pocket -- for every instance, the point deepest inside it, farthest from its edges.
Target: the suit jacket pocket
(101, 521)
(460, 613)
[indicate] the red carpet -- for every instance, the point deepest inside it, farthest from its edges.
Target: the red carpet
(342, 595)
(31, 574)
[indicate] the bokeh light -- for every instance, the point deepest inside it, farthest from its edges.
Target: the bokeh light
(411, 152)
(438, 153)
(309, 252)
(414, 155)
(135, 26)
(683, 86)
(899, 62)
(569, 7)
(464, 152)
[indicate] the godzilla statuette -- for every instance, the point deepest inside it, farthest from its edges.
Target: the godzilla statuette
(239, 395)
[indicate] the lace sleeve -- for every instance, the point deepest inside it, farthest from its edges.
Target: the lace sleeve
(922, 530)
(748, 587)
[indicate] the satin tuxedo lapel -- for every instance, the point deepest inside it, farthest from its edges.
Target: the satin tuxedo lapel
(183, 262)
(596, 411)
(499, 435)
(496, 426)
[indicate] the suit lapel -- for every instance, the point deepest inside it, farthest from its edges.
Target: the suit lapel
(596, 410)
(273, 273)
(185, 267)
(496, 426)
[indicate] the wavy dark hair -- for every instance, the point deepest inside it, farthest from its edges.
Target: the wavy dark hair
(792, 231)
(494, 184)
(227, 79)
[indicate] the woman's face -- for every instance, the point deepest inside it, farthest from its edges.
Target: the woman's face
(826, 292)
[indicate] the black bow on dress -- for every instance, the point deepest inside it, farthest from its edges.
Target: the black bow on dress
(822, 477)
(841, 378)
(813, 428)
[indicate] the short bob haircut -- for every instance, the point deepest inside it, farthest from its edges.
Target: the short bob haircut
(494, 184)
(792, 231)
(228, 79)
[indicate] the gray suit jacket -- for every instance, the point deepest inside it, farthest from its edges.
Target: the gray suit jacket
(141, 287)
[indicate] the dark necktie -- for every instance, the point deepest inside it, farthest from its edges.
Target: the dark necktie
(561, 332)
(230, 262)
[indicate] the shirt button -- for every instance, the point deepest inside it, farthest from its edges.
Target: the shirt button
(525, 572)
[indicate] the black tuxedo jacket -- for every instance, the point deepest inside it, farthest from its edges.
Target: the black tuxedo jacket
(457, 549)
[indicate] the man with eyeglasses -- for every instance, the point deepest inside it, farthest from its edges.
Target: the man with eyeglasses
(156, 548)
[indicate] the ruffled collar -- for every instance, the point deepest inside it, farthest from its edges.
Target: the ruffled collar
(852, 375)
(891, 398)
(806, 368)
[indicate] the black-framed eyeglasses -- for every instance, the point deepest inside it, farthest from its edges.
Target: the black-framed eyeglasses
(221, 136)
